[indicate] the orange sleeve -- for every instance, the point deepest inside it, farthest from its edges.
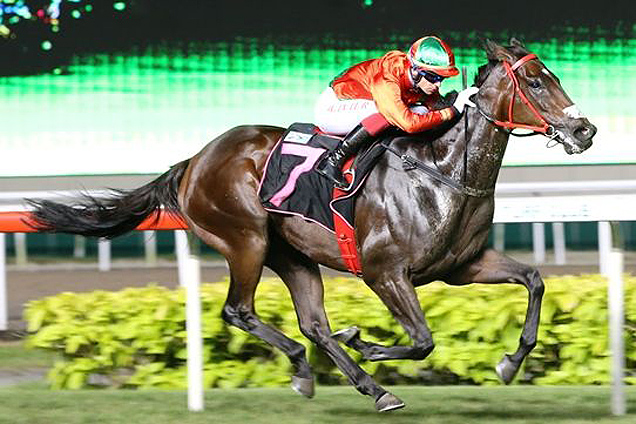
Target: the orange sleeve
(386, 92)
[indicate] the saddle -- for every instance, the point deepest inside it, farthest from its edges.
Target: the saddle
(291, 186)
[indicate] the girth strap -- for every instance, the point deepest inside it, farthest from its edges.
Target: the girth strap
(345, 235)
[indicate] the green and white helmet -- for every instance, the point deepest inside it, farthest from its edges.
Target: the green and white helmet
(431, 54)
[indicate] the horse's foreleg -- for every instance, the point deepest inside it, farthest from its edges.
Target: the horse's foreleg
(493, 267)
(302, 277)
(398, 294)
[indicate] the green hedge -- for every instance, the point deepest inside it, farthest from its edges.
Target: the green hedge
(136, 337)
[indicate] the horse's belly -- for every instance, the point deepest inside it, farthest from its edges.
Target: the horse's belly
(312, 240)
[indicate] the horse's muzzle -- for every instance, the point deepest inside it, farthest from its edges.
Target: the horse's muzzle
(580, 138)
(584, 134)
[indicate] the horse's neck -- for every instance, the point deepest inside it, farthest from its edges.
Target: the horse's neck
(486, 147)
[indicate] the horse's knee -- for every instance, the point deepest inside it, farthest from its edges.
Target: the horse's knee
(535, 283)
(237, 317)
(314, 331)
(422, 350)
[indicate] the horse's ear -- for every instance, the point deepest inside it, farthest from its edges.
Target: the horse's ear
(517, 43)
(496, 52)
(491, 48)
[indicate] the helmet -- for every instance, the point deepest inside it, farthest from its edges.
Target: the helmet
(431, 54)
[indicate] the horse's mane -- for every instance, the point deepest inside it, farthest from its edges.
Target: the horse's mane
(444, 101)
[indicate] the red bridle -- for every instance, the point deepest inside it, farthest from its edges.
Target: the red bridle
(545, 129)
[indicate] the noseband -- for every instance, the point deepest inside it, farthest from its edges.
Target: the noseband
(545, 129)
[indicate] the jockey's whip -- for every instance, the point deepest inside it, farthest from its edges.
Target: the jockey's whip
(465, 86)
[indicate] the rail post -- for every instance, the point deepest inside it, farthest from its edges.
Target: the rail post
(558, 236)
(4, 308)
(604, 246)
(190, 278)
(150, 247)
(538, 242)
(615, 307)
(103, 254)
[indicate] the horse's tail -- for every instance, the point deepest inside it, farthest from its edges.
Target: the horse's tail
(114, 215)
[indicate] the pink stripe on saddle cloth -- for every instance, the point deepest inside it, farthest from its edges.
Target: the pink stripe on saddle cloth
(311, 155)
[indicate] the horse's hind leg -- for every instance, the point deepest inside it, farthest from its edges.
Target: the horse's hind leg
(398, 295)
(493, 267)
(245, 258)
(302, 277)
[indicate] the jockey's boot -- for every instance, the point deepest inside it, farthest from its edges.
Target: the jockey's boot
(331, 165)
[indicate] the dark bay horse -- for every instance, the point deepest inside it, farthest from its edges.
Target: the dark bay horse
(411, 229)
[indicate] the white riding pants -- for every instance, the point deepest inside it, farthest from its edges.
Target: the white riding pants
(338, 117)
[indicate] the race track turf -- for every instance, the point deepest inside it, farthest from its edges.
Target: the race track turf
(33, 404)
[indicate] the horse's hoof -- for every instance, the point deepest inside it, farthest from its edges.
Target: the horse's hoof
(506, 369)
(304, 386)
(388, 402)
(346, 335)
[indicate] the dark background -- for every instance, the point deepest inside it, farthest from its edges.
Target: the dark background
(328, 22)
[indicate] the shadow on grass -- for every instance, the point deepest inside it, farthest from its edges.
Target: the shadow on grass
(484, 414)
(564, 414)
(570, 407)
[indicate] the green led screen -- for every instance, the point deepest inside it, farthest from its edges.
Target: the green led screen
(143, 109)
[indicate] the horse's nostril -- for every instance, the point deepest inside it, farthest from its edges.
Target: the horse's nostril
(585, 132)
(593, 129)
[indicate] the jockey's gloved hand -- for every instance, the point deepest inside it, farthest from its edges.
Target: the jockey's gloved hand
(463, 99)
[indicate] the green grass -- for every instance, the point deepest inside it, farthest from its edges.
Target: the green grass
(14, 356)
(517, 404)
(34, 403)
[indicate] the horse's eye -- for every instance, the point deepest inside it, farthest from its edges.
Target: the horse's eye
(534, 83)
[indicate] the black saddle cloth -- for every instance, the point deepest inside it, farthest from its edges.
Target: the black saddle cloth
(291, 186)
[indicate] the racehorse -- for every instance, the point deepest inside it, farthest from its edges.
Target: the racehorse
(411, 229)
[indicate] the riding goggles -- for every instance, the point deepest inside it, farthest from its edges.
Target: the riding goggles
(431, 77)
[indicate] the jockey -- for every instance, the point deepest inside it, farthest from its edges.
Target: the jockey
(373, 95)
